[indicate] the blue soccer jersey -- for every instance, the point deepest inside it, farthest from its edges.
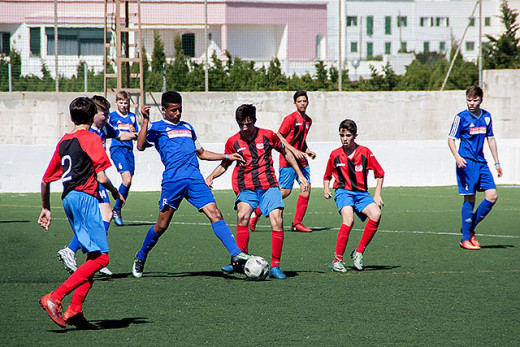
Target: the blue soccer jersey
(106, 132)
(126, 123)
(472, 132)
(176, 146)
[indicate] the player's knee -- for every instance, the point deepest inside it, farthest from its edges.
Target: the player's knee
(492, 197)
(160, 227)
(243, 219)
(349, 221)
(376, 216)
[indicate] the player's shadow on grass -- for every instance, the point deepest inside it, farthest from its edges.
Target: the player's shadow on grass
(14, 221)
(497, 246)
(106, 324)
(377, 267)
(136, 224)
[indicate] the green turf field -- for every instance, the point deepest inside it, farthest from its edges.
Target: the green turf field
(419, 287)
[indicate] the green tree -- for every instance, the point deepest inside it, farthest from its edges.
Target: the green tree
(155, 79)
(177, 73)
(503, 52)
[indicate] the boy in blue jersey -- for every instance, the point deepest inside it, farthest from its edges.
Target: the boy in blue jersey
(100, 127)
(177, 144)
(472, 127)
(121, 151)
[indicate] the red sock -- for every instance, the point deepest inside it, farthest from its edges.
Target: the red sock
(277, 245)
(95, 262)
(368, 234)
(258, 212)
(341, 242)
(243, 237)
(76, 303)
(301, 208)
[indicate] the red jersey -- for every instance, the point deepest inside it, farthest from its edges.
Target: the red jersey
(76, 160)
(295, 129)
(258, 171)
(350, 172)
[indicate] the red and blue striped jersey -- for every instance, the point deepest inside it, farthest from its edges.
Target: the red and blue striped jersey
(295, 129)
(350, 172)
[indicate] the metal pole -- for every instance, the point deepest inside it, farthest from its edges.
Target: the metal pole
(206, 77)
(10, 77)
(340, 68)
(56, 44)
(86, 77)
(164, 84)
(480, 44)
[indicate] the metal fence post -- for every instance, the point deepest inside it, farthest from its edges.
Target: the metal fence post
(10, 77)
(86, 77)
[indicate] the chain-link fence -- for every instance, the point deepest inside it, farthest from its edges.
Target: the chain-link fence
(246, 45)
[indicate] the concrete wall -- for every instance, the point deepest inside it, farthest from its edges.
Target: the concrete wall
(407, 131)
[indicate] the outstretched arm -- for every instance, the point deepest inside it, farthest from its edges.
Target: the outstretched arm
(289, 156)
(219, 170)
(492, 143)
(45, 216)
(212, 156)
(299, 155)
(103, 179)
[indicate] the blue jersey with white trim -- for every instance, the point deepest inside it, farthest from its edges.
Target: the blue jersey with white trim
(106, 132)
(176, 146)
(126, 123)
(472, 132)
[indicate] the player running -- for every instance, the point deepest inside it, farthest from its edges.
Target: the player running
(255, 183)
(472, 127)
(177, 144)
(349, 166)
(293, 133)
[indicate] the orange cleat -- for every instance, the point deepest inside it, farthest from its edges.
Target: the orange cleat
(253, 220)
(78, 320)
(468, 245)
(301, 228)
(474, 240)
(53, 308)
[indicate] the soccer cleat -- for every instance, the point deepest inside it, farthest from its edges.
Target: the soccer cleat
(357, 260)
(338, 266)
(138, 267)
(116, 215)
(227, 269)
(277, 273)
(238, 261)
(53, 308)
(468, 245)
(301, 228)
(105, 271)
(68, 259)
(474, 240)
(253, 220)
(78, 320)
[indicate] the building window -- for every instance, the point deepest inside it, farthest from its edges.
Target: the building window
(442, 22)
(472, 21)
(319, 47)
(487, 21)
(76, 41)
(388, 48)
(388, 25)
(404, 47)
(5, 43)
(188, 44)
(426, 46)
(442, 46)
(470, 46)
(353, 47)
(370, 25)
(34, 42)
(370, 49)
(426, 21)
(352, 21)
(402, 21)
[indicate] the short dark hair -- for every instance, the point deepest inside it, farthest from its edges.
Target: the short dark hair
(474, 91)
(82, 110)
(170, 98)
(245, 111)
(300, 93)
(102, 104)
(349, 125)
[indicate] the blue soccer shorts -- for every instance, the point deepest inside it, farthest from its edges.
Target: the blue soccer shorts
(123, 159)
(474, 177)
(267, 199)
(84, 216)
(288, 176)
(194, 190)
(103, 195)
(358, 200)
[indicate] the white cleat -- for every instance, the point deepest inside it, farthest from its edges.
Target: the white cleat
(68, 259)
(357, 260)
(338, 266)
(105, 271)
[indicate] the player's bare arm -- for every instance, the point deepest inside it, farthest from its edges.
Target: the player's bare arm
(127, 136)
(461, 162)
(291, 159)
(297, 154)
(492, 143)
(45, 216)
(310, 154)
(219, 170)
(141, 137)
(103, 179)
(326, 189)
(377, 192)
(212, 156)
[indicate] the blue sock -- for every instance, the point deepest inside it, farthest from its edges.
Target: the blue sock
(107, 225)
(482, 211)
(123, 190)
(74, 244)
(467, 219)
(226, 237)
(149, 242)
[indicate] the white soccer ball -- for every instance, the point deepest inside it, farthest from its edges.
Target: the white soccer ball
(256, 268)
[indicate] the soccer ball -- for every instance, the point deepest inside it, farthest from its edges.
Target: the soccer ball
(256, 268)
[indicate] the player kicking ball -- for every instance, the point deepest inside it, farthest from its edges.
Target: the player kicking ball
(349, 166)
(80, 161)
(472, 127)
(255, 183)
(177, 144)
